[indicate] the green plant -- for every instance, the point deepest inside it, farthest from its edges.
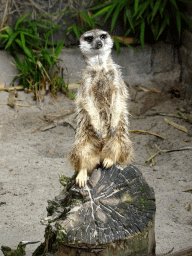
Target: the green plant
(141, 18)
(64, 180)
(39, 54)
(85, 22)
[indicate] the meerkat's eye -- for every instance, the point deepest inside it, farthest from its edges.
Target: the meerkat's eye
(103, 36)
(89, 39)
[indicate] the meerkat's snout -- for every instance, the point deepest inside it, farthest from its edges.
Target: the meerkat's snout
(98, 44)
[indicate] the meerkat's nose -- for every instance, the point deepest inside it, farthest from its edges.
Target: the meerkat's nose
(98, 44)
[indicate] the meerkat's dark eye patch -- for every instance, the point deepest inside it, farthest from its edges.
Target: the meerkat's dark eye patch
(89, 39)
(103, 36)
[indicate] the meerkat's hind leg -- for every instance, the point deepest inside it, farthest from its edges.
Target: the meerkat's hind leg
(81, 178)
(110, 152)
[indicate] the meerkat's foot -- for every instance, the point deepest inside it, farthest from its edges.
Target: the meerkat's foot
(81, 178)
(107, 162)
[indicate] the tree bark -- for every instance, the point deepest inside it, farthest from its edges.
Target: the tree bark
(113, 215)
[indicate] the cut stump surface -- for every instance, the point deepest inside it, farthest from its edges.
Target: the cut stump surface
(113, 215)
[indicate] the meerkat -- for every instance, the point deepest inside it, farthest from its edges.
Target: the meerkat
(102, 135)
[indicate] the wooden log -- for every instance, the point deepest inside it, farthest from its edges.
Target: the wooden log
(113, 215)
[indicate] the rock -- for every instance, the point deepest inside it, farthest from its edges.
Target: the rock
(113, 215)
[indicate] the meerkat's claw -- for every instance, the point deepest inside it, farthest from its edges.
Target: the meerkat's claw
(81, 178)
(107, 162)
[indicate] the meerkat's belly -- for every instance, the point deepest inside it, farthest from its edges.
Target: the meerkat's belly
(102, 87)
(102, 91)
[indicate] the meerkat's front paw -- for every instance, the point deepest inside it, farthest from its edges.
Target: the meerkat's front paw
(107, 162)
(81, 178)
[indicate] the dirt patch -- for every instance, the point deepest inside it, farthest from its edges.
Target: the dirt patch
(32, 160)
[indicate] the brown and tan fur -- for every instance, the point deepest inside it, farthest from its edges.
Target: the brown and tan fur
(102, 134)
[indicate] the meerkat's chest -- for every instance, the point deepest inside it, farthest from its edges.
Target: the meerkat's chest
(103, 86)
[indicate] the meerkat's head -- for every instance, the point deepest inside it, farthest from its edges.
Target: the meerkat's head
(95, 42)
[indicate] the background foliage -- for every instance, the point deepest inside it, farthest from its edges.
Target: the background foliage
(146, 20)
(38, 67)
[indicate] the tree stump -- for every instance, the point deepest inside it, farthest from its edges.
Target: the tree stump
(113, 215)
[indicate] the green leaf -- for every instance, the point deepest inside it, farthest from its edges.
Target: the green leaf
(110, 11)
(22, 40)
(142, 34)
(30, 24)
(58, 49)
(21, 20)
(136, 6)
(129, 16)
(18, 42)
(125, 17)
(163, 7)
(100, 6)
(3, 36)
(26, 50)
(50, 23)
(47, 58)
(50, 32)
(174, 3)
(66, 88)
(11, 39)
(127, 32)
(59, 80)
(156, 8)
(164, 24)
(87, 19)
(71, 94)
(116, 41)
(4, 41)
(9, 31)
(32, 36)
(101, 12)
(17, 59)
(131, 47)
(75, 30)
(156, 28)
(142, 8)
(42, 26)
(115, 15)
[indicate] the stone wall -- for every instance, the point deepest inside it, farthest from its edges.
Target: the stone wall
(186, 56)
(156, 62)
